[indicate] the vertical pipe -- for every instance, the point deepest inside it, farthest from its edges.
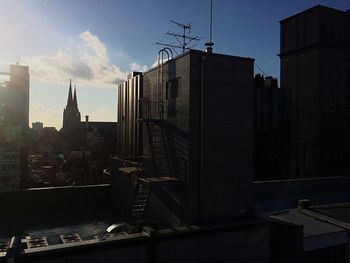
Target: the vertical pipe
(200, 190)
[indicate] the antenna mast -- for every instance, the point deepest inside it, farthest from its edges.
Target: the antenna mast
(183, 39)
(210, 44)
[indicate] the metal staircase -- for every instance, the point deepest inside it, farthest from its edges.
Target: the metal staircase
(152, 115)
(140, 202)
(159, 151)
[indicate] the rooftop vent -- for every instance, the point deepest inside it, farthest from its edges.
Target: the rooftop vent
(70, 238)
(103, 236)
(106, 236)
(33, 242)
(304, 204)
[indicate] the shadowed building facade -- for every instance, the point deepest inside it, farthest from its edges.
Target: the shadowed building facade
(192, 118)
(271, 129)
(315, 68)
(14, 119)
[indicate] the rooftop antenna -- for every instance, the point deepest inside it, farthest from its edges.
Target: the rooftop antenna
(210, 44)
(183, 39)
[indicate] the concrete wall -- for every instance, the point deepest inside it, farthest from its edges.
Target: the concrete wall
(286, 241)
(224, 84)
(213, 161)
(248, 242)
(128, 128)
(284, 194)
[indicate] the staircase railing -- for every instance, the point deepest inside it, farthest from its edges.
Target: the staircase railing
(158, 130)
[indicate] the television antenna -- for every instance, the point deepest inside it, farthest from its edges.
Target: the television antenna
(210, 44)
(183, 39)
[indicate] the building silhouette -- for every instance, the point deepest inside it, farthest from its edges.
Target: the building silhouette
(77, 154)
(71, 114)
(14, 121)
(271, 129)
(37, 126)
(315, 68)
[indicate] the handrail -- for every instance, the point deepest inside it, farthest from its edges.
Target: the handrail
(160, 77)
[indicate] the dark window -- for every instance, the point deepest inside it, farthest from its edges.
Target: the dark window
(173, 88)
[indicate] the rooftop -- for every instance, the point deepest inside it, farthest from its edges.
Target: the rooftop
(280, 195)
(86, 210)
(314, 8)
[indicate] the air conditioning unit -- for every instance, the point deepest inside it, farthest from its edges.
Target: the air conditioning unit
(70, 238)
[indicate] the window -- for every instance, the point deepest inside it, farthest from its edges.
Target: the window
(172, 88)
(172, 92)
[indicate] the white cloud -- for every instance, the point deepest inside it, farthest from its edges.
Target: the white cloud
(85, 61)
(137, 67)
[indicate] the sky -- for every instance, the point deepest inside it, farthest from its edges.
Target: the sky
(96, 43)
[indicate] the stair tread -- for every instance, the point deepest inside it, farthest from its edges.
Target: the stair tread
(139, 205)
(137, 210)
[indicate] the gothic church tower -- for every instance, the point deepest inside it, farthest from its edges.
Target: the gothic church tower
(71, 114)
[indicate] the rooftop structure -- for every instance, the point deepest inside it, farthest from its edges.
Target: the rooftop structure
(191, 120)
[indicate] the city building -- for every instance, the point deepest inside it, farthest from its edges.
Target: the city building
(196, 135)
(315, 68)
(182, 189)
(37, 126)
(14, 126)
(271, 129)
(75, 155)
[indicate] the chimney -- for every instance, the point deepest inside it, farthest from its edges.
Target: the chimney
(304, 204)
(87, 121)
(209, 47)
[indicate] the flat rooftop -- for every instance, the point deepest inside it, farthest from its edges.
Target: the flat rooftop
(86, 210)
(280, 195)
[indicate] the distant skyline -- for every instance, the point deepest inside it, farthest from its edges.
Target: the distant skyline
(96, 43)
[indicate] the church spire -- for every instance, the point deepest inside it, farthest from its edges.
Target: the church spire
(75, 101)
(70, 98)
(71, 114)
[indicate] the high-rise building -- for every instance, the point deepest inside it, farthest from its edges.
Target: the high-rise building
(71, 114)
(315, 68)
(14, 118)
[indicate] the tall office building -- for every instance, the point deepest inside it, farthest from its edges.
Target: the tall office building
(315, 68)
(14, 118)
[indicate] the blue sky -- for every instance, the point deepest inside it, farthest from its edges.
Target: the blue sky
(96, 43)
